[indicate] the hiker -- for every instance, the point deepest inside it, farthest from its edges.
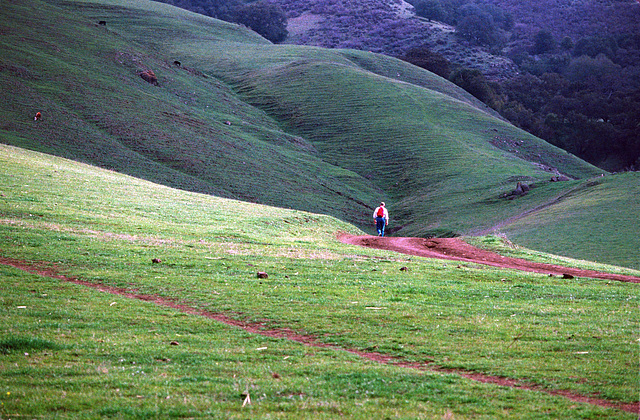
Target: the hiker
(381, 218)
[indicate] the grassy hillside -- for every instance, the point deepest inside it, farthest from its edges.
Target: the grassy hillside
(189, 132)
(328, 131)
(71, 351)
(603, 211)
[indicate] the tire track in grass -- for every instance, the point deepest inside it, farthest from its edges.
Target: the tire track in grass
(49, 270)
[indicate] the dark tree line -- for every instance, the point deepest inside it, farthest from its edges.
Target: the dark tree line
(588, 105)
(581, 94)
(266, 18)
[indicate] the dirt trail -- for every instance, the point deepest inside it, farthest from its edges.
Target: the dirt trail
(458, 250)
(48, 270)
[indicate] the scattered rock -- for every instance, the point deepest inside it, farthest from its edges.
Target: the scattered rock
(567, 276)
(177, 63)
(262, 275)
(404, 269)
(559, 178)
(521, 189)
(174, 343)
(103, 23)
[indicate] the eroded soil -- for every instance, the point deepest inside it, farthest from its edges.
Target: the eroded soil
(458, 250)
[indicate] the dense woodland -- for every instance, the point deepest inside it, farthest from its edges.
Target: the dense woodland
(578, 84)
(577, 77)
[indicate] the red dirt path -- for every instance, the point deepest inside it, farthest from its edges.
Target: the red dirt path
(458, 250)
(49, 270)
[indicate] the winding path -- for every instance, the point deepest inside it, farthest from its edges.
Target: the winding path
(458, 250)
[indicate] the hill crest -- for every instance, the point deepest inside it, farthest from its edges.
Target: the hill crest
(328, 131)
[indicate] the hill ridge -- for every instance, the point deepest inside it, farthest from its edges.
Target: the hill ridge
(230, 116)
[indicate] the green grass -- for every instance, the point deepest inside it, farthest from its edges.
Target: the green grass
(91, 354)
(501, 245)
(603, 211)
(96, 109)
(327, 131)
(114, 358)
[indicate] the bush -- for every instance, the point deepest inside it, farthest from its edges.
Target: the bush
(543, 42)
(267, 19)
(430, 9)
(429, 60)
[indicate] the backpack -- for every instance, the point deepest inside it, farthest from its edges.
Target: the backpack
(380, 212)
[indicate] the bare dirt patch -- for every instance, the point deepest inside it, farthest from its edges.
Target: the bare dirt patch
(305, 22)
(458, 250)
(51, 270)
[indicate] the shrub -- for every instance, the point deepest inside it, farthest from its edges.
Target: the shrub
(543, 42)
(429, 60)
(267, 19)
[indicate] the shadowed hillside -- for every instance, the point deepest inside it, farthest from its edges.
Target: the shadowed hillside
(330, 131)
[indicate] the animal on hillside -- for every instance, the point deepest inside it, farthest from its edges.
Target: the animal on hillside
(38, 116)
(150, 77)
(103, 23)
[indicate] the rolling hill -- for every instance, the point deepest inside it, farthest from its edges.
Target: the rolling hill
(328, 131)
(127, 299)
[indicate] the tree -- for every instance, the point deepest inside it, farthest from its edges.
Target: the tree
(474, 82)
(477, 26)
(429, 60)
(566, 43)
(592, 46)
(430, 9)
(543, 42)
(596, 72)
(267, 19)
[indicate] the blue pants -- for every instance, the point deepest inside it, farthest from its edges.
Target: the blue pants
(380, 223)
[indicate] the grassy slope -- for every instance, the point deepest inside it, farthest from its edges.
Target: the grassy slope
(430, 151)
(96, 109)
(330, 131)
(603, 211)
(93, 355)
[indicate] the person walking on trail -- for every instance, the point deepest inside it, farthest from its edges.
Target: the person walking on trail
(381, 218)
